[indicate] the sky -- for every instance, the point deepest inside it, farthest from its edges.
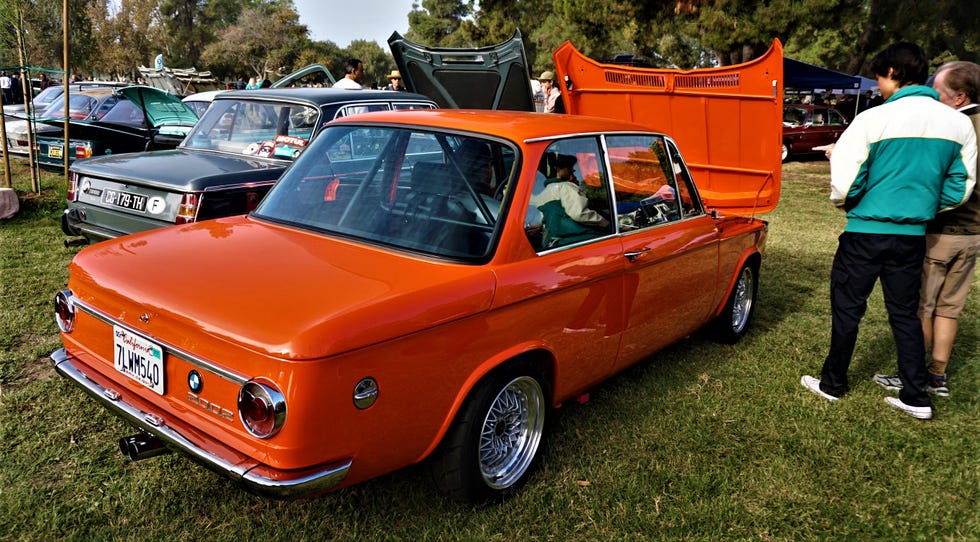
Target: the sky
(342, 21)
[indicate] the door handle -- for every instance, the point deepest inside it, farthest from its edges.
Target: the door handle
(632, 256)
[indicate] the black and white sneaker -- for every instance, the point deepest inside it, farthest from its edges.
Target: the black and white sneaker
(889, 382)
(937, 385)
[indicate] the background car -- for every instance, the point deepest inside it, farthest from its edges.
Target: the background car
(130, 119)
(240, 146)
(807, 126)
(80, 105)
(18, 124)
(394, 300)
(45, 97)
(200, 101)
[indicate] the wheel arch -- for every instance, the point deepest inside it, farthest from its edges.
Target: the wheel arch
(751, 257)
(538, 357)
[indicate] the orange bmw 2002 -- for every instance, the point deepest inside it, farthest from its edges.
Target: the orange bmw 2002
(428, 285)
(419, 285)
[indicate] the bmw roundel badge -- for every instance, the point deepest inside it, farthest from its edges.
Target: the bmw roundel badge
(194, 381)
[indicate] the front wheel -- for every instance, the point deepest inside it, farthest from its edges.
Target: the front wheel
(734, 319)
(785, 151)
(495, 439)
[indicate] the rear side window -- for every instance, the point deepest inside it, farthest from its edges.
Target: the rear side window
(121, 112)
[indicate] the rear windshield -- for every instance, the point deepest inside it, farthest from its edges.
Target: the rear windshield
(255, 128)
(413, 189)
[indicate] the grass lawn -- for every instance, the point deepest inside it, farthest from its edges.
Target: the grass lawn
(702, 441)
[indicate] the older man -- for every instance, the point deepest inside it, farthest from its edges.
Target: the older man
(952, 243)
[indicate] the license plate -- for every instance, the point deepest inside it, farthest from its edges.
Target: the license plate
(54, 151)
(125, 200)
(139, 359)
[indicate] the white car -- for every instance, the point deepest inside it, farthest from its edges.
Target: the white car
(200, 101)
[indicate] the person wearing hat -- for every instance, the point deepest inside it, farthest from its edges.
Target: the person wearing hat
(564, 207)
(394, 81)
(552, 97)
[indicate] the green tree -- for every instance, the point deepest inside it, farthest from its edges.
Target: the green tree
(128, 37)
(437, 23)
(265, 40)
(191, 25)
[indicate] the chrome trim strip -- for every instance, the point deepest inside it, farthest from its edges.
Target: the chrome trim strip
(170, 349)
(284, 485)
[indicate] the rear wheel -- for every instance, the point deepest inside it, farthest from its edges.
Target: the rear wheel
(734, 319)
(496, 438)
(785, 151)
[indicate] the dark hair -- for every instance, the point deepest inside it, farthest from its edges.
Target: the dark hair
(350, 66)
(961, 76)
(907, 60)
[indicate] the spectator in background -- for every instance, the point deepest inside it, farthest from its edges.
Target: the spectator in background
(251, 84)
(552, 96)
(353, 74)
(891, 171)
(394, 81)
(5, 88)
(952, 243)
(16, 88)
(240, 83)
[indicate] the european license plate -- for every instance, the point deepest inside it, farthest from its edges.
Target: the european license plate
(54, 151)
(126, 200)
(139, 359)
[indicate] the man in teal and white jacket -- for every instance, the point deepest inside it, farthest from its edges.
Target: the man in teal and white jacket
(892, 170)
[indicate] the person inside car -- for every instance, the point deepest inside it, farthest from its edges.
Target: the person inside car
(564, 207)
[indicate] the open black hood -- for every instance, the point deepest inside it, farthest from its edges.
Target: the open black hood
(494, 77)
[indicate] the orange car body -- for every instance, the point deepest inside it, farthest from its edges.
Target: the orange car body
(249, 299)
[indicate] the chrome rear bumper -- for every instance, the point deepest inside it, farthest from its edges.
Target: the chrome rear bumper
(271, 482)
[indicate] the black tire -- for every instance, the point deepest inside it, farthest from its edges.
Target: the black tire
(495, 440)
(733, 322)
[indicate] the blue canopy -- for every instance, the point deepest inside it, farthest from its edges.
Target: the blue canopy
(802, 75)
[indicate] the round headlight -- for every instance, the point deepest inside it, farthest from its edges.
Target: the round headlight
(262, 408)
(64, 311)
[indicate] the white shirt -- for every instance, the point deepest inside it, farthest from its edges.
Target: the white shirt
(348, 84)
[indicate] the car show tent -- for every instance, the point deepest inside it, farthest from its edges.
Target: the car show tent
(800, 75)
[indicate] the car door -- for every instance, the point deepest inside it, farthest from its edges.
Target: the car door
(574, 284)
(669, 243)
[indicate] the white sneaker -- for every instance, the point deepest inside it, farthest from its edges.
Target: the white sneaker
(813, 384)
(918, 412)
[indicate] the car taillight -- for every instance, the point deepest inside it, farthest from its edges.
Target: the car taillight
(73, 187)
(64, 311)
(261, 408)
(187, 212)
(83, 151)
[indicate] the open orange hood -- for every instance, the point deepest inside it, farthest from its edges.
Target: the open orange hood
(727, 121)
